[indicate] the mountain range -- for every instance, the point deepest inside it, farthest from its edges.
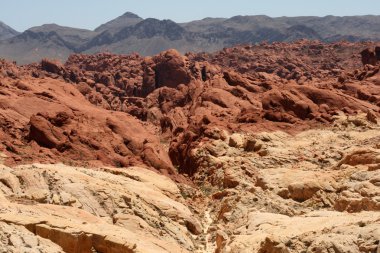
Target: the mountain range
(131, 33)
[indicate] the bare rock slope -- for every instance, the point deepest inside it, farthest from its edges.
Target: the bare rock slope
(106, 210)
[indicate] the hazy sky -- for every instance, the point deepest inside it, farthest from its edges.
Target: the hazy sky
(23, 14)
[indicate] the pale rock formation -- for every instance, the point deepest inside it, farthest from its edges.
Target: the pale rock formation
(315, 191)
(107, 210)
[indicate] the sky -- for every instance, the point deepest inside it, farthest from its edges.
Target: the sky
(89, 14)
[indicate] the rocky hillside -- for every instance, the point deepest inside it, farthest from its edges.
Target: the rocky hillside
(131, 33)
(266, 148)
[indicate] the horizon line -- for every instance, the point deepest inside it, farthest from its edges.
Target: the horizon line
(194, 20)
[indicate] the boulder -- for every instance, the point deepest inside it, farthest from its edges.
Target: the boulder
(231, 178)
(302, 191)
(52, 66)
(44, 133)
(368, 57)
(377, 51)
(236, 140)
(291, 102)
(371, 117)
(360, 157)
(171, 69)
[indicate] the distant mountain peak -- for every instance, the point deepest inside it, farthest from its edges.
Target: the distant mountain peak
(7, 32)
(150, 27)
(127, 19)
(129, 14)
(44, 27)
(131, 33)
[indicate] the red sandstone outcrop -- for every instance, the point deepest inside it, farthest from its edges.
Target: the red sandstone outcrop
(369, 57)
(51, 121)
(180, 98)
(52, 66)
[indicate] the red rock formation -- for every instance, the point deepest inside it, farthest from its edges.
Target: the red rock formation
(145, 110)
(52, 66)
(377, 51)
(369, 57)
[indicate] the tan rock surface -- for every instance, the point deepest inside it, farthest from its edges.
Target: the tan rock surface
(316, 232)
(302, 196)
(15, 239)
(108, 210)
(311, 192)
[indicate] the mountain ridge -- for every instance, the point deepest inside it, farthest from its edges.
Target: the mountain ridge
(131, 33)
(6, 31)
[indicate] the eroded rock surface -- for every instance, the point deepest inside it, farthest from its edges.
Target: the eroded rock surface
(313, 192)
(266, 148)
(106, 210)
